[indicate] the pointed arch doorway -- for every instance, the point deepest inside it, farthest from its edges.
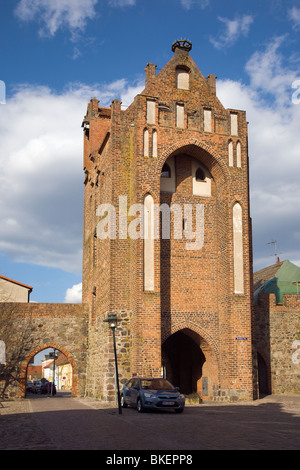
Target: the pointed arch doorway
(190, 363)
(183, 361)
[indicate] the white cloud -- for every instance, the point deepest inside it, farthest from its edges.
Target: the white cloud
(121, 3)
(74, 294)
(188, 4)
(273, 152)
(234, 29)
(269, 74)
(41, 176)
(294, 16)
(55, 14)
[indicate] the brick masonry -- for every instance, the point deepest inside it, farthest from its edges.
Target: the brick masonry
(193, 290)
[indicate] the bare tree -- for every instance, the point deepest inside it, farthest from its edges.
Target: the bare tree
(16, 333)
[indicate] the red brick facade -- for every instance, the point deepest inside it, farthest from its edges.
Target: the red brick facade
(194, 321)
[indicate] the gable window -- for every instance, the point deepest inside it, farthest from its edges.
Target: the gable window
(150, 112)
(207, 120)
(179, 115)
(182, 78)
(233, 124)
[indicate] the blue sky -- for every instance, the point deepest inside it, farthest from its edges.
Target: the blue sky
(57, 54)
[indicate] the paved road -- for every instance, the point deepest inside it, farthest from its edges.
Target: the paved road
(73, 424)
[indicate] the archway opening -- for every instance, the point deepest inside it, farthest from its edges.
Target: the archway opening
(48, 372)
(263, 381)
(183, 361)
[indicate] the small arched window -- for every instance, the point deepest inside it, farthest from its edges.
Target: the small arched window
(166, 171)
(146, 143)
(200, 175)
(230, 153)
(238, 155)
(201, 180)
(154, 143)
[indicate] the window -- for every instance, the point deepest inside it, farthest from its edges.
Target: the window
(207, 120)
(166, 172)
(150, 112)
(201, 180)
(233, 124)
(200, 175)
(238, 263)
(182, 78)
(146, 143)
(154, 143)
(230, 153)
(238, 155)
(168, 176)
(148, 231)
(179, 115)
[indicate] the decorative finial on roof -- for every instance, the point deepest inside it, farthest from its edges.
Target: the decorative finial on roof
(182, 44)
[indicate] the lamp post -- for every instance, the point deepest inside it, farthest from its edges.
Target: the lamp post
(53, 354)
(112, 321)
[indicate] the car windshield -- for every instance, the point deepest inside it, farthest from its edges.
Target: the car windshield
(156, 384)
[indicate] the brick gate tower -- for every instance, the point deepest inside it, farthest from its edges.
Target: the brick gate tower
(167, 236)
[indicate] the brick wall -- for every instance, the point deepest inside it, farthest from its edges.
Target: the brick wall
(193, 289)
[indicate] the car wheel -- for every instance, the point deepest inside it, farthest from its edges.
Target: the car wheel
(123, 403)
(139, 406)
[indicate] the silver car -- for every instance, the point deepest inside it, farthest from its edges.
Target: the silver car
(151, 393)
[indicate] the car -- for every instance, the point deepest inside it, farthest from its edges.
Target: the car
(29, 386)
(152, 394)
(48, 387)
(36, 387)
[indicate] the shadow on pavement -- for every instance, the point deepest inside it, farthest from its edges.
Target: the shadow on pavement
(73, 424)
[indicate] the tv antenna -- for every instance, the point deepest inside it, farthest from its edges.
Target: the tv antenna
(274, 242)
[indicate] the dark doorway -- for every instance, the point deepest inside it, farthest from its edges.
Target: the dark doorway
(263, 383)
(183, 361)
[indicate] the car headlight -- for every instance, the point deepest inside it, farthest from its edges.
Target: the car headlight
(181, 396)
(149, 395)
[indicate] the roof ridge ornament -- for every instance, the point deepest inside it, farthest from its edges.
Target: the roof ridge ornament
(182, 44)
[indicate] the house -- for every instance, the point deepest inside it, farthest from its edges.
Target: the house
(13, 291)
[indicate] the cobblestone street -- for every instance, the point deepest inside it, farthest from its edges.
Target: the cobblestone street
(60, 422)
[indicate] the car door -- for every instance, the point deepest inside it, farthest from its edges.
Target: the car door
(127, 392)
(134, 391)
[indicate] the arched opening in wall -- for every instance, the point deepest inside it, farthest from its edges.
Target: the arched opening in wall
(263, 377)
(189, 363)
(49, 372)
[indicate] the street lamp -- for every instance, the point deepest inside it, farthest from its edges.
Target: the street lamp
(112, 320)
(53, 354)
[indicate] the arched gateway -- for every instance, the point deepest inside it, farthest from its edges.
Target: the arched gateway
(58, 348)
